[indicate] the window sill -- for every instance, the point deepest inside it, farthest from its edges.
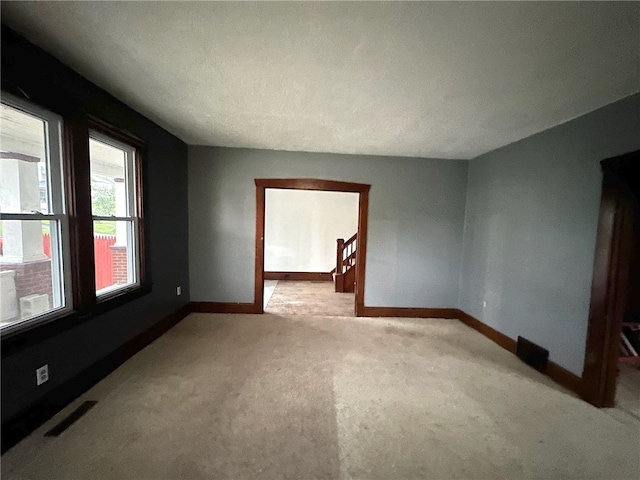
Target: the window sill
(108, 293)
(23, 325)
(34, 332)
(116, 298)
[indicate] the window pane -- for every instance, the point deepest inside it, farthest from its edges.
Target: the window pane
(30, 269)
(23, 164)
(114, 255)
(108, 175)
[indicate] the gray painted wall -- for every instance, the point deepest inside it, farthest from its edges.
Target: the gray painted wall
(416, 215)
(530, 229)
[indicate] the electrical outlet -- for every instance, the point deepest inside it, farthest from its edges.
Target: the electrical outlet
(178, 290)
(42, 374)
(484, 304)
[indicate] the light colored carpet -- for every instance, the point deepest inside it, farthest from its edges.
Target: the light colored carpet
(262, 397)
(295, 297)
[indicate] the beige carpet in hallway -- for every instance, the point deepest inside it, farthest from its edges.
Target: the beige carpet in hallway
(266, 397)
(293, 297)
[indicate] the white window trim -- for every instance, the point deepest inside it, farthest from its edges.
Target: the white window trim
(132, 217)
(58, 215)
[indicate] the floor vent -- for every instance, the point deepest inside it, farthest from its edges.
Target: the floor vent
(71, 418)
(532, 354)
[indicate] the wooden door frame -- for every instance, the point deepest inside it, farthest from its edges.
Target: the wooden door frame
(609, 290)
(318, 185)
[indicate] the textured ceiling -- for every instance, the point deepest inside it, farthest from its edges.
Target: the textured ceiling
(443, 79)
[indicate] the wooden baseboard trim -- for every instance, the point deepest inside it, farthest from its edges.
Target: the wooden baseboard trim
(225, 307)
(300, 276)
(21, 425)
(492, 334)
(554, 371)
(564, 377)
(451, 313)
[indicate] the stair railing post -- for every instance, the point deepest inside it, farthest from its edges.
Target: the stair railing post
(339, 286)
(339, 255)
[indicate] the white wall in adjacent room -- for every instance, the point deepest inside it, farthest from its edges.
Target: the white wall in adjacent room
(301, 228)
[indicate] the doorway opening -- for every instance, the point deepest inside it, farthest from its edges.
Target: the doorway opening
(303, 232)
(309, 292)
(612, 360)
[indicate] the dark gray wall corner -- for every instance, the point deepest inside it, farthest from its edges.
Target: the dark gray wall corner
(530, 229)
(416, 214)
(77, 348)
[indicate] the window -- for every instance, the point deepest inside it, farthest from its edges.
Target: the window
(114, 206)
(34, 232)
(58, 214)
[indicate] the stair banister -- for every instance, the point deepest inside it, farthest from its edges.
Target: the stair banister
(339, 256)
(346, 252)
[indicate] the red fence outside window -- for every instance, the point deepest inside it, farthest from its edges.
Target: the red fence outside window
(103, 256)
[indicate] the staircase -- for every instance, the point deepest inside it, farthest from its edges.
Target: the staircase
(345, 272)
